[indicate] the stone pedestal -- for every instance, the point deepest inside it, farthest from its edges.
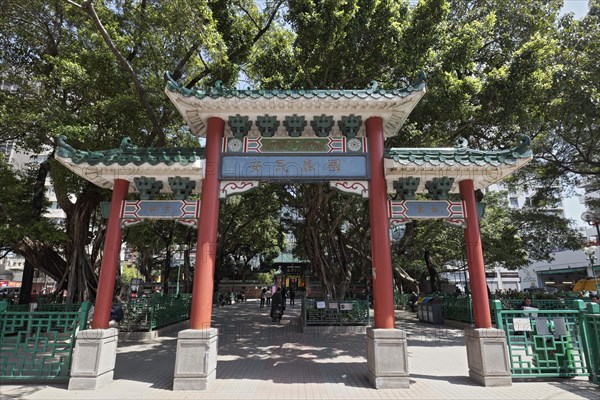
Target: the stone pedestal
(487, 353)
(196, 360)
(93, 358)
(387, 357)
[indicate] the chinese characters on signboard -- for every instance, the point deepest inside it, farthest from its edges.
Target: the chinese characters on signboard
(294, 167)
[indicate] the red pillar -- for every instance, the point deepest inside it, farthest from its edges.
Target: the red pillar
(110, 259)
(481, 305)
(201, 313)
(383, 292)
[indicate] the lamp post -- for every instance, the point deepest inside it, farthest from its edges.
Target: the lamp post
(180, 250)
(593, 218)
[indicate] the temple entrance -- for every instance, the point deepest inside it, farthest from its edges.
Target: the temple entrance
(316, 136)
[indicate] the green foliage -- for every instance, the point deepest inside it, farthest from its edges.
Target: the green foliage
(265, 278)
(16, 221)
(249, 228)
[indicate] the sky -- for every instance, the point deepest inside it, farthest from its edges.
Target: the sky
(579, 7)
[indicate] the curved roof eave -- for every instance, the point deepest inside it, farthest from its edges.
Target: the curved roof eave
(392, 105)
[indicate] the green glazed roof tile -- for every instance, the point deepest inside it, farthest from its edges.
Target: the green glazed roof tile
(218, 91)
(460, 155)
(129, 153)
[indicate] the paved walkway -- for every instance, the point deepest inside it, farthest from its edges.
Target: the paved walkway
(259, 360)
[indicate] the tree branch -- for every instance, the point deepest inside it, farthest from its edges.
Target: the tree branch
(255, 39)
(179, 68)
(88, 7)
(74, 4)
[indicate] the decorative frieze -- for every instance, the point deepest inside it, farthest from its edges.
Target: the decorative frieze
(294, 145)
(229, 188)
(360, 188)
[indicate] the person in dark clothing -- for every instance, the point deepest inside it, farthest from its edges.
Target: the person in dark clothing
(263, 296)
(412, 302)
(284, 296)
(527, 302)
(292, 296)
(277, 306)
(116, 315)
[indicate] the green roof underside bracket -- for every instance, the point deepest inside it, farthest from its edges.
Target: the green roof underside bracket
(181, 187)
(350, 125)
(438, 188)
(267, 125)
(239, 125)
(148, 187)
(406, 187)
(295, 125)
(322, 125)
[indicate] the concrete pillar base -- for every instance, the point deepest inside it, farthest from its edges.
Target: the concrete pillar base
(387, 357)
(196, 360)
(487, 353)
(94, 359)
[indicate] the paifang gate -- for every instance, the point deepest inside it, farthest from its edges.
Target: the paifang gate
(334, 136)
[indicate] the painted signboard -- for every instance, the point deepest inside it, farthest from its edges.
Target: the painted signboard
(133, 212)
(297, 167)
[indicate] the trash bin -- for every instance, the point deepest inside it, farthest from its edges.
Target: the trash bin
(422, 308)
(430, 310)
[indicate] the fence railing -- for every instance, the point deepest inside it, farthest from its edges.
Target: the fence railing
(146, 314)
(38, 345)
(460, 307)
(329, 312)
(591, 327)
(551, 343)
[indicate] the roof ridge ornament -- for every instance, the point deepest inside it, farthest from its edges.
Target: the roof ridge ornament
(421, 78)
(127, 144)
(524, 146)
(461, 143)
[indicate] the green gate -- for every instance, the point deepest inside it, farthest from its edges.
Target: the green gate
(548, 343)
(38, 345)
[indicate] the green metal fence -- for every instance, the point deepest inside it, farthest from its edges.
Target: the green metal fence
(401, 300)
(39, 344)
(149, 313)
(546, 343)
(460, 307)
(591, 327)
(323, 312)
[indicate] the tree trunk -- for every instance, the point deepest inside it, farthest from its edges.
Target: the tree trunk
(433, 274)
(324, 241)
(39, 195)
(45, 258)
(82, 278)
